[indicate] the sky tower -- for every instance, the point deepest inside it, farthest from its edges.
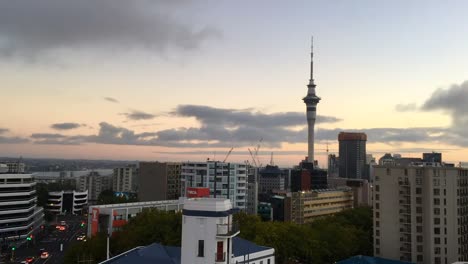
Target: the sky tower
(311, 100)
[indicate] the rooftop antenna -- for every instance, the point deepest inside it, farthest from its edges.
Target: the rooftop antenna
(271, 159)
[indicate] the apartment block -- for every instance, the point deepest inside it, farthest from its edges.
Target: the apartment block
(231, 180)
(94, 184)
(421, 212)
(159, 181)
(125, 179)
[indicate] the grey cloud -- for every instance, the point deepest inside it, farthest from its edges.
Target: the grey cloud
(65, 126)
(34, 29)
(249, 117)
(139, 115)
(47, 136)
(112, 100)
(406, 107)
(13, 140)
(453, 101)
(4, 130)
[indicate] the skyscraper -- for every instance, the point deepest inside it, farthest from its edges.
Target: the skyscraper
(311, 100)
(352, 148)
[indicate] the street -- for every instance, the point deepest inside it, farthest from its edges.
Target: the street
(53, 241)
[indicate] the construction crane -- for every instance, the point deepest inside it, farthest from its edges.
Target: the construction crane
(253, 158)
(227, 156)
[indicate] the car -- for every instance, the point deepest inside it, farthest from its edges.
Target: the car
(81, 238)
(29, 260)
(44, 255)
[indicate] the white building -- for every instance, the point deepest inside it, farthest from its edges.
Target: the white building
(421, 213)
(124, 179)
(231, 180)
(208, 236)
(19, 215)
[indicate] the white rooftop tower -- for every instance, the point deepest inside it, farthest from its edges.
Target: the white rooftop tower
(311, 100)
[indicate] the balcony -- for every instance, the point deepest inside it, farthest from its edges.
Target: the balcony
(227, 230)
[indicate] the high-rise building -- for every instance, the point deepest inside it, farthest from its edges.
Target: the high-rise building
(311, 100)
(125, 179)
(159, 181)
(333, 165)
(231, 180)
(352, 148)
(94, 184)
(421, 212)
(252, 191)
(20, 217)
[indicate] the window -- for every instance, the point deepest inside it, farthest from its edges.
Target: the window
(437, 250)
(201, 248)
(419, 210)
(377, 214)
(377, 251)
(377, 224)
(268, 261)
(377, 197)
(437, 231)
(377, 241)
(419, 248)
(418, 219)
(436, 191)
(418, 190)
(437, 211)
(377, 206)
(377, 188)
(419, 229)
(419, 239)
(436, 201)
(437, 240)
(418, 181)
(377, 232)
(418, 200)
(419, 258)
(436, 221)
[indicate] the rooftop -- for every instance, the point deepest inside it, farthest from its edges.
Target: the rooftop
(370, 260)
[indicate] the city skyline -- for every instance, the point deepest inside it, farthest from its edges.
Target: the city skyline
(183, 80)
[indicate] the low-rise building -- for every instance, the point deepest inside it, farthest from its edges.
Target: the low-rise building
(209, 235)
(67, 202)
(309, 205)
(110, 217)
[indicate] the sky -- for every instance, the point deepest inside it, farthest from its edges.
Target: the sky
(177, 80)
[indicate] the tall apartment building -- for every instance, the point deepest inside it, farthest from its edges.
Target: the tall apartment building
(252, 191)
(94, 184)
(19, 215)
(159, 181)
(421, 212)
(125, 179)
(352, 151)
(309, 205)
(231, 180)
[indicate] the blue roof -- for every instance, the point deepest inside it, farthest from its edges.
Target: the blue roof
(154, 253)
(241, 247)
(370, 260)
(157, 253)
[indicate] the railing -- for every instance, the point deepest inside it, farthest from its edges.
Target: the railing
(227, 229)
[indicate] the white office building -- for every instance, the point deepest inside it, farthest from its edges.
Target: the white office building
(231, 180)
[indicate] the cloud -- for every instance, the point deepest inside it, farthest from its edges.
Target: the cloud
(47, 136)
(138, 115)
(13, 140)
(249, 118)
(4, 130)
(112, 100)
(406, 107)
(65, 126)
(453, 101)
(32, 29)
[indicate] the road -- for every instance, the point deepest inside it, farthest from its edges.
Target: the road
(53, 241)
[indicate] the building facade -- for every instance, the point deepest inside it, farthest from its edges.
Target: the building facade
(159, 181)
(352, 151)
(124, 179)
(421, 212)
(252, 191)
(19, 215)
(111, 217)
(93, 183)
(67, 202)
(309, 205)
(270, 178)
(231, 180)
